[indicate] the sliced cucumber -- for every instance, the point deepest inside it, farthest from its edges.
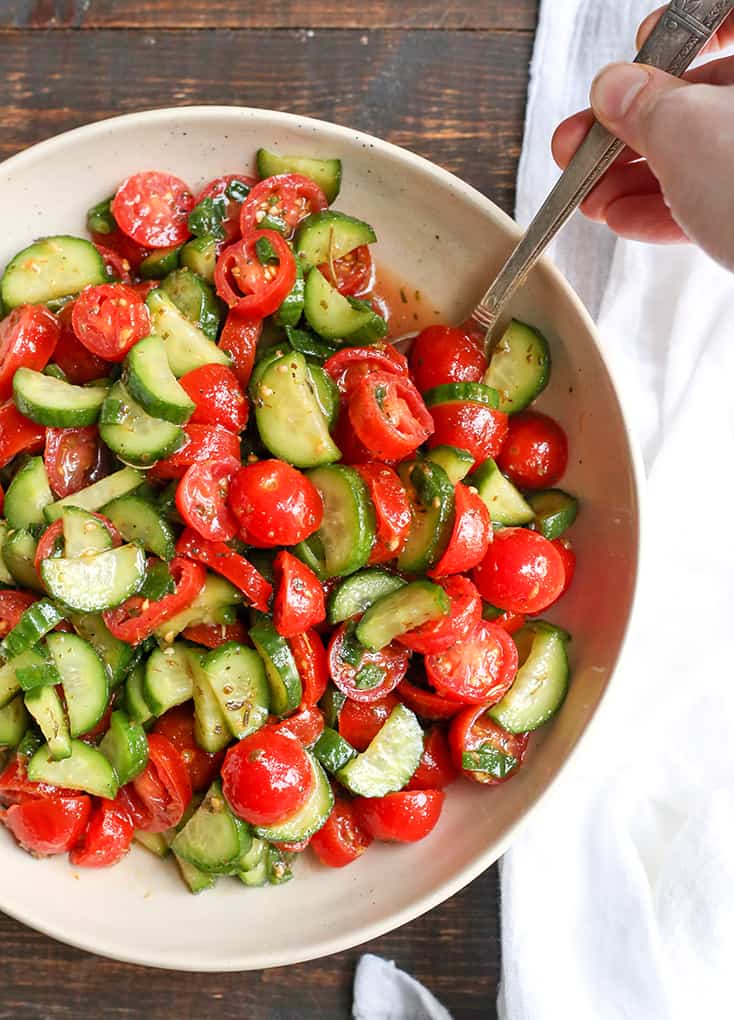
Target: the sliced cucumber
(14, 721)
(9, 683)
(329, 235)
(505, 504)
(310, 818)
(158, 581)
(554, 510)
(475, 393)
(84, 534)
(18, 556)
(431, 495)
(541, 684)
(27, 495)
(280, 667)
(347, 531)
(357, 593)
(125, 746)
(390, 760)
(138, 520)
(291, 308)
(135, 704)
(167, 681)
(211, 729)
(326, 392)
(52, 268)
(116, 656)
(160, 262)
(519, 368)
(256, 873)
(85, 769)
(135, 436)
(456, 463)
(308, 344)
(195, 298)
(326, 172)
(39, 673)
(196, 880)
(289, 417)
(151, 382)
(400, 611)
(36, 621)
(212, 839)
(335, 317)
(237, 677)
(93, 583)
(187, 346)
(200, 255)
(214, 604)
(44, 704)
(331, 704)
(154, 842)
(53, 402)
(100, 219)
(333, 751)
(83, 678)
(6, 578)
(95, 496)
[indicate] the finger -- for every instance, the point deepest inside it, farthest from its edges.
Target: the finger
(626, 98)
(723, 38)
(571, 133)
(715, 72)
(644, 218)
(621, 181)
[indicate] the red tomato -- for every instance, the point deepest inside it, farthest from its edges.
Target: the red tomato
(436, 768)
(391, 662)
(239, 339)
(299, 598)
(225, 561)
(403, 817)
(249, 287)
(313, 669)
(203, 442)
(134, 621)
(359, 723)
(212, 635)
(353, 451)
(201, 498)
(18, 434)
(218, 189)
(15, 787)
(74, 458)
(110, 319)
(28, 336)
(177, 725)
(163, 787)
(353, 273)
(479, 669)
(568, 556)
(153, 209)
(392, 510)
(12, 606)
(285, 197)
(306, 725)
(349, 364)
(275, 504)
(443, 354)
(521, 572)
(440, 634)
(117, 266)
(473, 730)
(51, 543)
(470, 426)
(510, 622)
(342, 839)
(218, 396)
(266, 777)
(48, 826)
(143, 287)
(107, 839)
(535, 452)
(388, 414)
(425, 703)
(123, 246)
(470, 537)
(77, 363)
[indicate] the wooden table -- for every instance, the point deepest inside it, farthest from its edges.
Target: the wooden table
(445, 78)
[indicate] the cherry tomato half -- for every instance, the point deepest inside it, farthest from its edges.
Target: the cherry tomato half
(18, 434)
(218, 189)
(471, 534)
(110, 319)
(212, 635)
(177, 725)
(353, 273)
(201, 498)
(16, 787)
(427, 704)
(28, 336)
(473, 731)
(349, 364)
(310, 658)
(74, 459)
(246, 285)
(444, 354)
(470, 426)
(477, 670)
(163, 787)
(436, 768)
(306, 725)
(137, 617)
(216, 391)
(388, 415)
(239, 339)
(403, 817)
(360, 722)
(535, 452)
(225, 561)
(153, 209)
(438, 635)
(393, 515)
(361, 674)
(275, 504)
(118, 268)
(108, 836)
(12, 606)
(342, 839)
(266, 777)
(285, 199)
(299, 598)
(203, 442)
(48, 826)
(77, 363)
(522, 572)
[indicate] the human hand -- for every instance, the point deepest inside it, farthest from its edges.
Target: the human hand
(675, 180)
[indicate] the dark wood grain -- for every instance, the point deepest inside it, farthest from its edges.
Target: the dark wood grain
(409, 14)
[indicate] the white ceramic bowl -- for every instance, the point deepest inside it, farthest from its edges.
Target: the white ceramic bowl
(447, 240)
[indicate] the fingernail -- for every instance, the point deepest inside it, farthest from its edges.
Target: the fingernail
(615, 89)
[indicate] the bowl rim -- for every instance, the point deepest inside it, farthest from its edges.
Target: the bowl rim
(329, 945)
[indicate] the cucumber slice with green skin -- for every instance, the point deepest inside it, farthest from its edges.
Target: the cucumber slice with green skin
(333, 751)
(40, 672)
(335, 317)
(151, 382)
(555, 511)
(158, 582)
(212, 839)
(160, 263)
(30, 743)
(347, 531)
(280, 866)
(326, 172)
(476, 393)
(457, 463)
(6, 578)
(280, 667)
(135, 704)
(291, 309)
(44, 704)
(53, 402)
(187, 346)
(196, 879)
(326, 392)
(36, 621)
(254, 855)
(135, 436)
(306, 343)
(83, 678)
(27, 495)
(84, 535)
(125, 746)
(91, 584)
(400, 611)
(200, 256)
(138, 520)
(18, 556)
(358, 592)
(505, 503)
(85, 769)
(390, 760)
(214, 604)
(331, 704)
(51, 268)
(155, 842)
(95, 496)
(237, 677)
(116, 656)
(257, 875)
(289, 418)
(330, 235)
(14, 721)
(100, 219)
(195, 299)
(519, 368)
(541, 684)
(431, 495)
(310, 818)
(211, 730)
(167, 681)
(9, 683)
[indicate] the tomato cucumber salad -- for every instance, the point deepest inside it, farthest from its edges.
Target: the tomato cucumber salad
(265, 583)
